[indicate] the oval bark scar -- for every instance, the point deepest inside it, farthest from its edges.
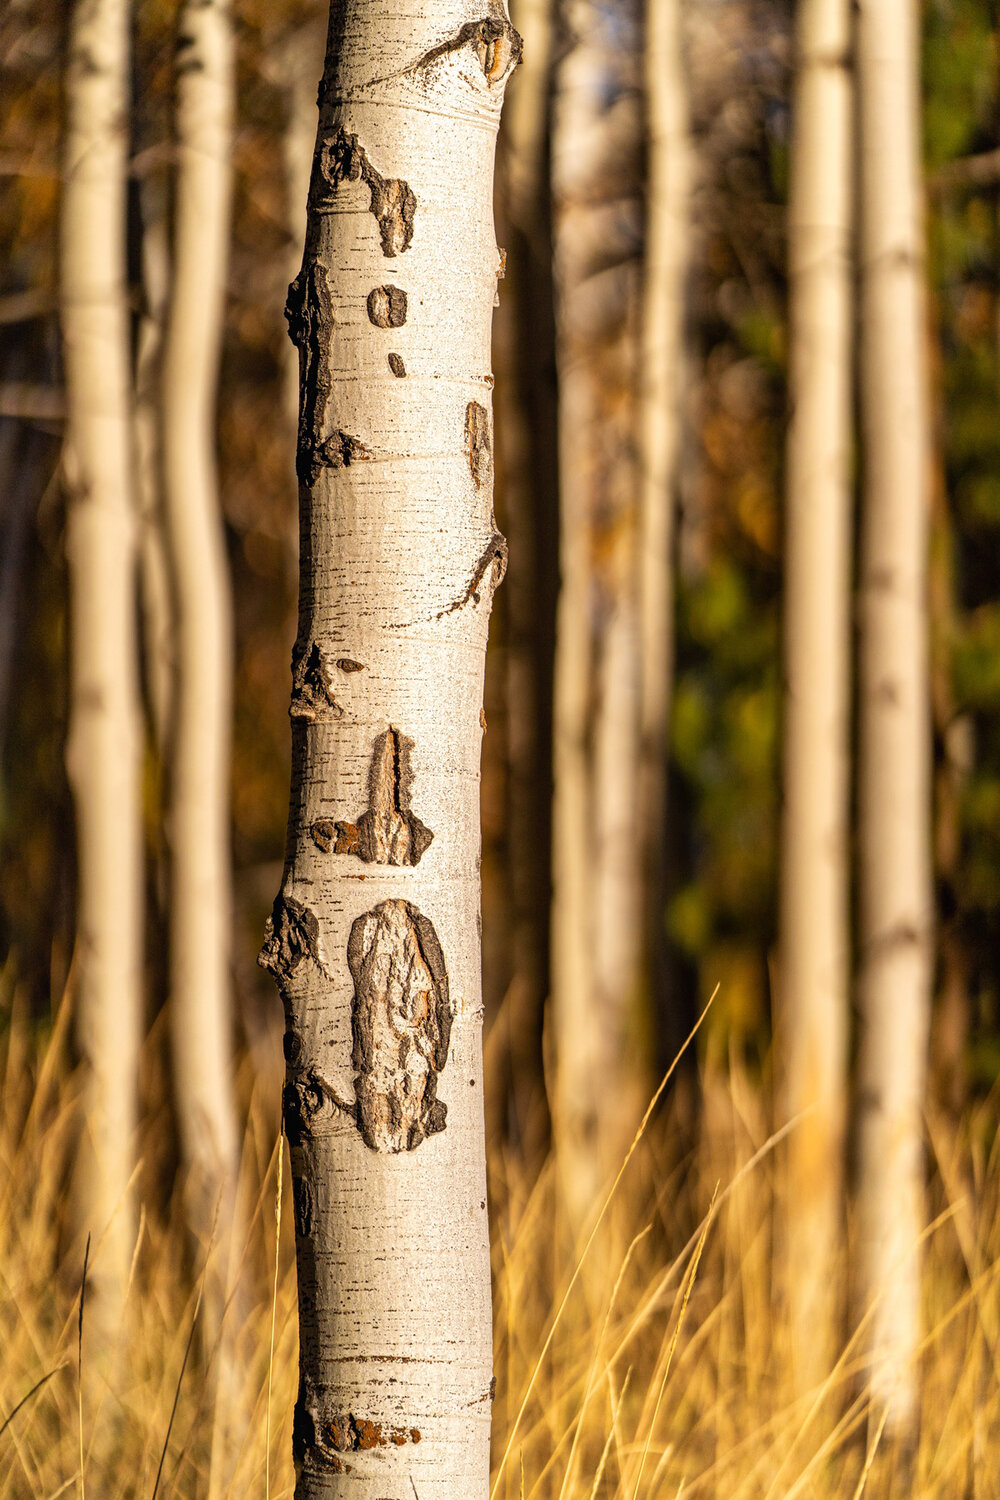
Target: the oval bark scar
(387, 306)
(401, 1025)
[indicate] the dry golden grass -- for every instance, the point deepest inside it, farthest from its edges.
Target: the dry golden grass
(665, 1368)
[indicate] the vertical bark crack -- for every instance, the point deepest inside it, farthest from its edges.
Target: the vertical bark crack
(401, 1024)
(388, 832)
(478, 443)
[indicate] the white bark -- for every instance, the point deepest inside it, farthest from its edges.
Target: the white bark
(660, 415)
(894, 788)
(104, 736)
(374, 938)
(814, 931)
(198, 819)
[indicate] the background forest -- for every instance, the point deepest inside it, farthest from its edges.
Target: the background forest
(634, 732)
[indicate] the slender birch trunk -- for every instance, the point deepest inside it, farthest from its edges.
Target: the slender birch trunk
(662, 360)
(895, 926)
(201, 1002)
(595, 903)
(374, 938)
(814, 923)
(104, 735)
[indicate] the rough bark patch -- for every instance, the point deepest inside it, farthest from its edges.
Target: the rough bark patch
(312, 693)
(309, 313)
(477, 442)
(290, 935)
(342, 158)
(389, 832)
(397, 366)
(351, 1434)
(401, 1024)
(387, 306)
(497, 44)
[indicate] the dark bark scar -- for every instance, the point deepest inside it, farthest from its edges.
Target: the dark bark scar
(388, 832)
(492, 564)
(401, 1025)
(341, 158)
(312, 691)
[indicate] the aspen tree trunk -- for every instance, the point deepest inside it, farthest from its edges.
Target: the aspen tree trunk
(199, 829)
(579, 1055)
(595, 911)
(662, 359)
(104, 735)
(814, 933)
(895, 919)
(374, 938)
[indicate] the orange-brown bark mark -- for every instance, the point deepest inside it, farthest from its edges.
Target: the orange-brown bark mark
(351, 1434)
(341, 158)
(478, 442)
(312, 691)
(397, 366)
(401, 1025)
(498, 47)
(389, 832)
(387, 306)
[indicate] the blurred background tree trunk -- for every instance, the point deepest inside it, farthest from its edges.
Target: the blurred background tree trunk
(103, 753)
(894, 800)
(812, 986)
(527, 503)
(661, 375)
(596, 917)
(201, 995)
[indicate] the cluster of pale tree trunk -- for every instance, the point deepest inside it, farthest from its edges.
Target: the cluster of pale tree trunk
(374, 937)
(143, 505)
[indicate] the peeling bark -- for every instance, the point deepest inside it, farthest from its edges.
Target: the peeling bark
(378, 963)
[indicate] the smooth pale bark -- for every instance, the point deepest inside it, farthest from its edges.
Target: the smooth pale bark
(894, 794)
(813, 995)
(103, 754)
(661, 374)
(374, 938)
(595, 851)
(201, 1008)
